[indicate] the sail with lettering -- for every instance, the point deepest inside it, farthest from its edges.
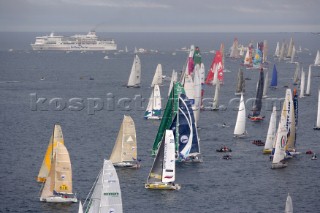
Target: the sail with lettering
(56, 137)
(58, 185)
(216, 70)
(106, 195)
(153, 110)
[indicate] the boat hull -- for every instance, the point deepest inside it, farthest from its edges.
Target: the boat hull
(127, 165)
(316, 128)
(256, 118)
(162, 186)
(59, 199)
(278, 165)
(153, 118)
(267, 151)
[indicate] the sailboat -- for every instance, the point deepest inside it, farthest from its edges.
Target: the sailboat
(215, 103)
(216, 70)
(240, 83)
(235, 49)
(302, 83)
(135, 74)
(157, 78)
(80, 210)
(271, 132)
(197, 93)
(248, 58)
(106, 195)
(124, 153)
(317, 59)
(289, 207)
(178, 116)
(278, 160)
(296, 74)
(293, 54)
(265, 52)
(162, 174)
(317, 126)
(240, 127)
(290, 48)
(153, 111)
(274, 79)
(58, 185)
(308, 82)
(277, 51)
(282, 49)
(56, 137)
(257, 105)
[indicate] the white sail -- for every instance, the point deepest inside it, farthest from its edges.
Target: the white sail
(318, 114)
(293, 54)
(271, 131)
(235, 49)
(247, 59)
(290, 47)
(309, 82)
(277, 52)
(202, 73)
(240, 127)
(124, 153)
(282, 49)
(80, 210)
(106, 196)
(157, 78)
(317, 59)
(289, 206)
(265, 85)
(153, 110)
(215, 103)
(282, 132)
(265, 51)
(135, 74)
(296, 74)
(197, 92)
(169, 164)
(189, 88)
(174, 78)
(302, 83)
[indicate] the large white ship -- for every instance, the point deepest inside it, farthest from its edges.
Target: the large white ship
(89, 42)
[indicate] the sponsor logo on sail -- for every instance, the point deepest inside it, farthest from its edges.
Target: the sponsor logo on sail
(184, 139)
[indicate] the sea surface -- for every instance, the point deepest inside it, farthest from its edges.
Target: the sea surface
(37, 90)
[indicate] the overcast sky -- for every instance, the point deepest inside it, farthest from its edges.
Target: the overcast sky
(160, 15)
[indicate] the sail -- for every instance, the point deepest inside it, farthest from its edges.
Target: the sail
(216, 67)
(277, 52)
(283, 129)
(190, 63)
(302, 83)
(265, 85)
(271, 130)
(189, 88)
(282, 49)
(80, 210)
(318, 114)
(174, 78)
(265, 51)
(154, 105)
(157, 78)
(168, 115)
(274, 79)
(56, 137)
(293, 54)
(240, 83)
(257, 105)
(197, 93)
(317, 59)
(240, 127)
(125, 148)
(106, 196)
(60, 175)
(289, 207)
(215, 103)
(257, 60)
(169, 165)
(248, 58)
(308, 82)
(235, 49)
(296, 74)
(290, 48)
(135, 74)
(197, 56)
(186, 133)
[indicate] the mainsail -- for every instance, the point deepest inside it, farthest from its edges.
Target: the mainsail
(257, 105)
(135, 74)
(240, 83)
(216, 70)
(240, 127)
(274, 79)
(153, 110)
(157, 78)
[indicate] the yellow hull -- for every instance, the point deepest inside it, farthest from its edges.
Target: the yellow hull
(41, 179)
(267, 151)
(162, 186)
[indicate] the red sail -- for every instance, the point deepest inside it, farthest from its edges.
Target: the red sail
(215, 66)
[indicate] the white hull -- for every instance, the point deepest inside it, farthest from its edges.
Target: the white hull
(153, 118)
(278, 165)
(74, 48)
(127, 165)
(59, 199)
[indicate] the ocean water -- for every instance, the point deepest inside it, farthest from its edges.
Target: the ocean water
(244, 184)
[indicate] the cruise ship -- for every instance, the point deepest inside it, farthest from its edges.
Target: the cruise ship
(89, 42)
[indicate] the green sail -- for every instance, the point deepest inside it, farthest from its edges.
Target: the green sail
(168, 115)
(197, 56)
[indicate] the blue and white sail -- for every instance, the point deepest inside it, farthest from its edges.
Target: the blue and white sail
(154, 106)
(274, 79)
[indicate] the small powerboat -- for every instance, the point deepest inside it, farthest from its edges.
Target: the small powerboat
(224, 149)
(226, 157)
(258, 142)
